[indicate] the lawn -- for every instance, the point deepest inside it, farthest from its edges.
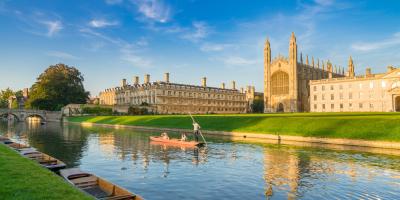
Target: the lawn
(21, 178)
(365, 126)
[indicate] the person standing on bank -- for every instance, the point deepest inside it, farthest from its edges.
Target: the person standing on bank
(196, 131)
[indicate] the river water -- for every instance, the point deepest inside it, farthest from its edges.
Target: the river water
(224, 170)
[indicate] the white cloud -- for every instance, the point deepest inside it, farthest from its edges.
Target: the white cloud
(130, 56)
(113, 2)
(60, 54)
(236, 60)
(154, 10)
(53, 27)
(370, 46)
(211, 47)
(200, 30)
(100, 23)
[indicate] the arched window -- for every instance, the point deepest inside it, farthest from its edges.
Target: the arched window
(280, 83)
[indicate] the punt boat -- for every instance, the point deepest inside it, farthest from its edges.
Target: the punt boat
(97, 187)
(18, 146)
(175, 141)
(5, 140)
(43, 159)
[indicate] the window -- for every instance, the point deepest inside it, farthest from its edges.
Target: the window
(323, 88)
(323, 106)
(350, 105)
(315, 88)
(280, 83)
(332, 106)
(350, 95)
(341, 106)
(371, 105)
(315, 97)
(315, 106)
(323, 96)
(360, 105)
(331, 87)
(332, 97)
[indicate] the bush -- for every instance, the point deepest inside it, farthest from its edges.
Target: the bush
(97, 110)
(137, 111)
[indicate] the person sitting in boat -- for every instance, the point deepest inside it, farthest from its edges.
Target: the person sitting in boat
(196, 131)
(164, 136)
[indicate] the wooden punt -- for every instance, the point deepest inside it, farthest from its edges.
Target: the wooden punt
(19, 147)
(175, 141)
(97, 187)
(43, 159)
(5, 140)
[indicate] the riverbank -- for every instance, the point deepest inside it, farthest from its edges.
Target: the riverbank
(360, 129)
(21, 178)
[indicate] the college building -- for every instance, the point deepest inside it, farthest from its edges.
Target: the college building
(292, 85)
(165, 97)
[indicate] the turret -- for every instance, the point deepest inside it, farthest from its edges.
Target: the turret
(350, 68)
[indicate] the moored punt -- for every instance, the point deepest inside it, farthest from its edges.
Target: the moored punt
(96, 186)
(43, 159)
(5, 140)
(18, 146)
(175, 141)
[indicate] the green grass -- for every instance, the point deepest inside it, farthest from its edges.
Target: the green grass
(364, 126)
(21, 178)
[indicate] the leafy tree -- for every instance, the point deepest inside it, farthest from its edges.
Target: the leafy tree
(4, 95)
(56, 87)
(258, 105)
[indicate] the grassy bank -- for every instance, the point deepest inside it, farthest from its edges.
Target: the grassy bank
(21, 178)
(365, 126)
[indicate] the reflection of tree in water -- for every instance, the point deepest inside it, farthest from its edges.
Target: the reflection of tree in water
(64, 142)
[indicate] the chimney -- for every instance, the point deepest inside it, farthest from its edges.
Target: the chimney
(233, 85)
(204, 82)
(166, 77)
(136, 80)
(253, 89)
(223, 85)
(123, 82)
(368, 72)
(146, 78)
(241, 90)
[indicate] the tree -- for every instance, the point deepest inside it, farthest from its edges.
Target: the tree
(258, 105)
(57, 86)
(4, 95)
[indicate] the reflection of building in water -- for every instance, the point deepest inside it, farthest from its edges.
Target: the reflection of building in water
(106, 144)
(281, 170)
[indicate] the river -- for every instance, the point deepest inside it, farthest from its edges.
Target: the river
(223, 170)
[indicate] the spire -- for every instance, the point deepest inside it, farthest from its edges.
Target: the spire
(307, 63)
(350, 68)
(318, 63)
(292, 37)
(301, 57)
(293, 51)
(312, 61)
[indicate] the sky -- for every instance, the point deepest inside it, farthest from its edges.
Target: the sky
(108, 40)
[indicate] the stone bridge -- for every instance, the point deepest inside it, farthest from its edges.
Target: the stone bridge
(23, 114)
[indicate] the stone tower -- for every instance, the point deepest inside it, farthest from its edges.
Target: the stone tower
(350, 72)
(293, 73)
(267, 74)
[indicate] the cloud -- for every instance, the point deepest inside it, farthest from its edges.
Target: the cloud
(237, 60)
(370, 46)
(60, 54)
(210, 47)
(53, 27)
(113, 2)
(154, 10)
(200, 30)
(101, 23)
(130, 56)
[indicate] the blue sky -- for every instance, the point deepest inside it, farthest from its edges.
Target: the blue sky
(108, 40)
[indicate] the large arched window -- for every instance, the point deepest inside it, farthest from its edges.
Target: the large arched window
(280, 83)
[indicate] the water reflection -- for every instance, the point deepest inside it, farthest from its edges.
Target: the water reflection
(224, 170)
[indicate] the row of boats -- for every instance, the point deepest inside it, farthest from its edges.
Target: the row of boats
(91, 184)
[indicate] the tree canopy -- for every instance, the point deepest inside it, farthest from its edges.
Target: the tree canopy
(56, 87)
(4, 95)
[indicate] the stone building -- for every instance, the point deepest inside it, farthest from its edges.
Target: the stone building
(165, 97)
(286, 80)
(368, 93)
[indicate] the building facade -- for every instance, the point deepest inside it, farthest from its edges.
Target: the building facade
(168, 98)
(286, 80)
(368, 93)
